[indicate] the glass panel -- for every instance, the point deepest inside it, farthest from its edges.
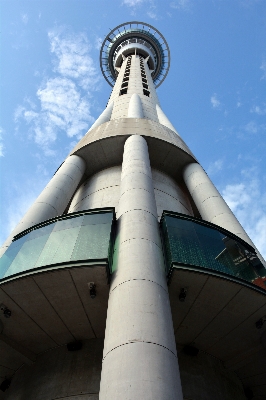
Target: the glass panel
(99, 218)
(80, 237)
(190, 242)
(92, 242)
(68, 223)
(7, 258)
(59, 247)
(27, 256)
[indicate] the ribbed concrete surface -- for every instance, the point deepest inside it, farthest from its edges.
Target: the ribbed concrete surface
(139, 351)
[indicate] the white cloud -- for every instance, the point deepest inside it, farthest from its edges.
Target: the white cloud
(247, 200)
(132, 3)
(181, 4)
(152, 14)
(25, 18)
(73, 59)
(62, 108)
(251, 127)
(215, 167)
(63, 101)
(98, 43)
(214, 101)
(1, 143)
(258, 109)
(263, 68)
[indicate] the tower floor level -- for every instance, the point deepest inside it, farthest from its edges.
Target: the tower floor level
(129, 277)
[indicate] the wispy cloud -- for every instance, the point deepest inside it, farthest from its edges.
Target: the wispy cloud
(251, 127)
(215, 167)
(214, 101)
(181, 4)
(247, 200)
(152, 14)
(132, 3)
(260, 110)
(72, 57)
(1, 143)
(250, 3)
(25, 18)
(63, 104)
(263, 68)
(98, 43)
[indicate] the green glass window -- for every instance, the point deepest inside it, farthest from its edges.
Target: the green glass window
(73, 237)
(191, 242)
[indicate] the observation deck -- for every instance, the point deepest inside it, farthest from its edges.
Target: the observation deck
(135, 38)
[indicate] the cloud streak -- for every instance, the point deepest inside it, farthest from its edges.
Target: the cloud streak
(132, 3)
(247, 199)
(64, 100)
(181, 4)
(214, 101)
(263, 68)
(72, 58)
(1, 143)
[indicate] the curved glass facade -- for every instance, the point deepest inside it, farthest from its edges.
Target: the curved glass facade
(192, 242)
(73, 237)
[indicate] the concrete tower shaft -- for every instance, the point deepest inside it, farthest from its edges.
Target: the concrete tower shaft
(132, 245)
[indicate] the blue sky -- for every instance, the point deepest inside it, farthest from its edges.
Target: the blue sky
(214, 94)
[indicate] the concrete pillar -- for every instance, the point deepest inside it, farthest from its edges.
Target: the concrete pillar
(164, 120)
(211, 205)
(104, 117)
(135, 107)
(54, 198)
(139, 359)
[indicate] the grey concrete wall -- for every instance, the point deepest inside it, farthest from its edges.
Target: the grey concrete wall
(60, 374)
(103, 190)
(205, 378)
(121, 103)
(168, 195)
(100, 190)
(139, 360)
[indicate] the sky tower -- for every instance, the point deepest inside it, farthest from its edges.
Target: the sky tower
(130, 277)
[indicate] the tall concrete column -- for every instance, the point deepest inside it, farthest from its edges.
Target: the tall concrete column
(135, 107)
(54, 198)
(104, 117)
(211, 205)
(139, 359)
(164, 120)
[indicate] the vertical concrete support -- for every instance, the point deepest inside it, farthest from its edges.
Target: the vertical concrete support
(210, 203)
(135, 107)
(164, 120)
(104, 117)
(54, 198)
(139, 359)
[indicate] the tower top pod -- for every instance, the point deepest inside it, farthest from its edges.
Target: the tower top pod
(135, 38)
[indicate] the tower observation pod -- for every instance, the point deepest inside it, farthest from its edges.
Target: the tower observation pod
(129, 277)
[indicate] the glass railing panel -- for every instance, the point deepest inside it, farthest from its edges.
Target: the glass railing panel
(28, 255)
(59, 247)
(93, 239)
(73, 237)
(189, 241)
(9, 256)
